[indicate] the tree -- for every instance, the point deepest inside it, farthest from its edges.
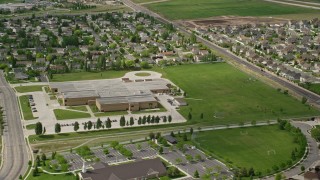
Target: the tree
(196, 174)
(165, 119)
(169, 118)
(44, 130)
(139, 147)
(302, 168)
(201, 116)
(304, 100)
(139, 121)
(76, 126)
(38, 128)
(185, 137)
(189, 158)
(108, 123)
(131, 121)
(189, 116)
(90, 125)
(122, 121)
(99, 123)
(251, 172)
(161, 150)
(172, 134)
(158, 135)
(198, 157)
(178, 161)
(157, 119)
(43, 157)
(85, 126)
(57, 128)
(106, 151)
(191, 130)
(151, 135)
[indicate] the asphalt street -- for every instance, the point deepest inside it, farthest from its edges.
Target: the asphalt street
(15, 154)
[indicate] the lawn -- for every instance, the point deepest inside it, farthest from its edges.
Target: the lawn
(25, 107)
(78, 108)
(87, 76)
(226, 95)
(62, 114)
(25, 89)
(254, 147)
(10, 1)
(52, 177)
(31, 126)
(191, 9)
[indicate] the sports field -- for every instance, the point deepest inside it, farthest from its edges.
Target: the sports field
(226, 95)
(258, 147)
(191, 9)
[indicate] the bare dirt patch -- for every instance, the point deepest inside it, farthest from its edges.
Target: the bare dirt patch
(231, 21)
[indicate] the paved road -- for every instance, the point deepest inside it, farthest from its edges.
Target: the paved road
(15, 154)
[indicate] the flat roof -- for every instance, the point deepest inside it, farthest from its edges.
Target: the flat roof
(109, 87)
(127, 99)
(80, 94)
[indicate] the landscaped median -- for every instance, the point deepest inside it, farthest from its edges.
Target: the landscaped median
(25, 107)
(62, 114)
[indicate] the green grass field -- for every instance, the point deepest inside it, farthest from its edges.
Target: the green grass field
(10, 1)
(226, 95)
(52, 177)
(87, 76)
(62, 114)
(191, 9)
(78, 108)
(25, 89)
(257, 147)
(312, 87)
(25, 108)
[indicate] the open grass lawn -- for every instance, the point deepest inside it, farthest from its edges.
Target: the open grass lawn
(97, 113)
(31, 126)
(191, 9)
(62, 114)
(226, 95)
(10, 1)
(256, 147)
(52, 177)
(25, 89)
(78, 108)
(87, 76)
(25, 107)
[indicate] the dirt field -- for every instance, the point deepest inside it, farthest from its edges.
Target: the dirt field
(232, 21)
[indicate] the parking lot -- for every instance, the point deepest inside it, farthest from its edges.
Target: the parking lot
(113, 156)
(75, 161)
(145, 152)
(203, 166)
